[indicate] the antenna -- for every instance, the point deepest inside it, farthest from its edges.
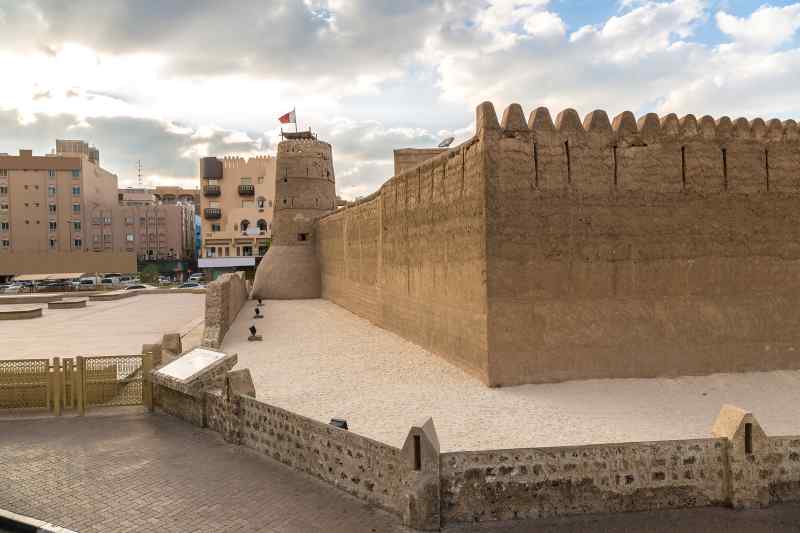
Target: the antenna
(447, 142)
(139, 172)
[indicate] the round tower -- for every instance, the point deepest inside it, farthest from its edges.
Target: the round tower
(305, 189)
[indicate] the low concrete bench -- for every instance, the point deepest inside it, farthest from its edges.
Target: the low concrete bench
(113, 295)
(68, 303)
(22, 312)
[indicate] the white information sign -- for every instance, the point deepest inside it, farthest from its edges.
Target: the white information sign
(187, 366)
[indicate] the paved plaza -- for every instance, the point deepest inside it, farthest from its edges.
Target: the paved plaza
(322, 361)
(134, 472)
(102, 328)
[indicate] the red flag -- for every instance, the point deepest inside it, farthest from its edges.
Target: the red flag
(288, 118)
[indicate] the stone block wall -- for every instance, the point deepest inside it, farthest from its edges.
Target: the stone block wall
(546, 482)
(740, 466)
(225, 297)
(546, 250)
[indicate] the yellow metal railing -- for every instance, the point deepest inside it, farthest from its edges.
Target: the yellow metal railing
(76, 384)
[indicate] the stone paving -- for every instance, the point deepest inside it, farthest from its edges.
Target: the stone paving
(121, 470)
(103, 328)
(322, 361)
(140, 472)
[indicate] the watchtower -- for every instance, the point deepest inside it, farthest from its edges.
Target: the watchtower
(305, 189)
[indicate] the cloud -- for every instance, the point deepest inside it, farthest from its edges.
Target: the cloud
(766, 28)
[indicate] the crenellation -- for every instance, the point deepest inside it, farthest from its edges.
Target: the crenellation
(774, 131)
(650, 128)
(725, 129)
(625, 126)
(758, 129)
(707, 128)
(670, 126)
(742, 129)
(597, 122)
(486, 117)
(791, 130)
(514, 119)
(689, 128)
(568, 123)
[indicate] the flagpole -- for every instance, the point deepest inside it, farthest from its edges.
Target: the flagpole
(294, 110)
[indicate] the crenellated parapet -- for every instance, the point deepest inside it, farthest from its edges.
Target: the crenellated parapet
(653, 153)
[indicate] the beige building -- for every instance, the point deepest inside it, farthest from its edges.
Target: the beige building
(237, 206)
(154, 230)
(47, 208)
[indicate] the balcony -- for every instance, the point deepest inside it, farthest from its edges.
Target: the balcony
(247, 190)
(212, 213)
(211, 190)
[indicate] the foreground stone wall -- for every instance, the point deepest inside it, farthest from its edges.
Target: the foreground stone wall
(411, 258)
(225, 297)
(545, 250)
(740, 466)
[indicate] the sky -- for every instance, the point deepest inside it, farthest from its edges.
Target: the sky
(168, 82)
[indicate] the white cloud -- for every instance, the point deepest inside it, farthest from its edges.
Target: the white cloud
(766, 28)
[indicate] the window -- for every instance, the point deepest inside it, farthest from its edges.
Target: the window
(211, 252)
(4, 226)
(227, 251)
(262, 224)
(51, 190)
(76, 225)
(247, 204)
(261, 202)
(51, 225)
(107, 220)
(107, 237)
(216, 227)
(6, 243)
(213, 182)
(77, 243)
(3, 207)
(51, 208)
(247, 181)
(76, 191)
(213, 205)
(51, 173)
(130, 237)
(4, 173)
(302, 236)
(52, 243)
(129, 220)
(76, 208)
(4, 190)
(247, 251)
(244, 224)
(76, 173)
(96, 237)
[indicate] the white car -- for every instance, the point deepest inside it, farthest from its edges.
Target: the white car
(139, 286)
(13, 289)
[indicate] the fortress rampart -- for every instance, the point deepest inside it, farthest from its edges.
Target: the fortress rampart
(544, 250)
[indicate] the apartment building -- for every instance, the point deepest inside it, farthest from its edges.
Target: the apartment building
(56, 213)
(237, 206)
(156, 231)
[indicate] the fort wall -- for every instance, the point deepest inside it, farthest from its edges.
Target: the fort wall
(573, 249)
(660, 247)
(411, 257)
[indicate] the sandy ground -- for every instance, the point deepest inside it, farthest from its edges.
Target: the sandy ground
(102, 328)
(322, 361)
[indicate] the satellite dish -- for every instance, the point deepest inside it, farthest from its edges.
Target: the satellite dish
(447, 142)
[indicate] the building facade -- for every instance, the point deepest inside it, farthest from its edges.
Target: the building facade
(236, 208)
(48, 208)
(161, 233)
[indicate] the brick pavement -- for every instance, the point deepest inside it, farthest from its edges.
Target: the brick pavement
(122, 470)
(139, 472)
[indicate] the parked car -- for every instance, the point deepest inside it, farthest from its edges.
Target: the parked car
(138, 286)
(108, 282)
(197, 278)
(126, 280)
(191, 285)
(13, 289)
(163, 280)
(87, 284)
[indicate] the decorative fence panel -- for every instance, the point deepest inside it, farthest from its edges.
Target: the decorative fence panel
(75, 384)
(25, 383)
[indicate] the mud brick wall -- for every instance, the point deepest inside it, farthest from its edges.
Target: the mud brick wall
(545, 482)
(411, 258)
(367, 469)
(660, 247)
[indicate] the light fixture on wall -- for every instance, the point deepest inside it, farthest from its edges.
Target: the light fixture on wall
(340, 423)
(253, 336)
(258, 313)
